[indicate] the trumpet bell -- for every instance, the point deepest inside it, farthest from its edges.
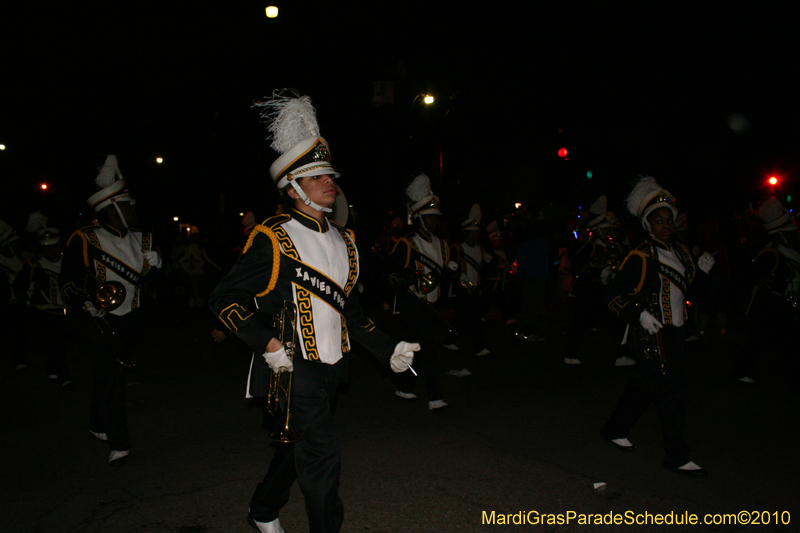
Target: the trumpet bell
(110, 295)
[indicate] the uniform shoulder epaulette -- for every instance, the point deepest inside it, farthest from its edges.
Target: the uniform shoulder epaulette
(276, 220)
(266, 229)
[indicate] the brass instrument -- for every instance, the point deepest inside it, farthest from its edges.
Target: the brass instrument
(427, 282)
(109, 296)
(286, 324)
(469, 286)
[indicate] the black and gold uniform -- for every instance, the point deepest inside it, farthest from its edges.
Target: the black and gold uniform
(773, 309)
(649, 294)
(294, 257)
(418, 266)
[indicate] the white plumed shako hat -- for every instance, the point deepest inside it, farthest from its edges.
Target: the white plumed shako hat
(775, 216)
(110, 186)
(423, 201)
(647, 196)
(473, 222)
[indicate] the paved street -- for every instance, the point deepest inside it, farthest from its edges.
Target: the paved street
(521, 435)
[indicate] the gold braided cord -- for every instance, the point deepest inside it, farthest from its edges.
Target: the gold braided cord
(641, 255)
(408, 249)
(276, 255)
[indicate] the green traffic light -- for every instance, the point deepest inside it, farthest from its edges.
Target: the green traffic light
(788, 198)
(588, 174)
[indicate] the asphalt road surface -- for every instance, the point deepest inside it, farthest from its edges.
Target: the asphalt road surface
(520, 441)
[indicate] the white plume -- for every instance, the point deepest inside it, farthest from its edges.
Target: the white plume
(475, 213)
(643, 190)
(600, 206)
(290, 118)
(419, 188)
(772, 209)
(36, 221)
(108, 173)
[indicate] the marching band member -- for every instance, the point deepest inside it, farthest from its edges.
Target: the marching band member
(773, 311)
(418, 264)
(594, 265)
(12, 309)
(38, 284)
(468, 293)
(301, 256)
(110, 251)
(649, 293)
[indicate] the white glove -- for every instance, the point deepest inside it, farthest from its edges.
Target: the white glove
(92, 310)
(403, 356)
(413, 290)
(153, 258)
(705, 262)
(278, 360)
(649, 322)
(606, 275)
(452, 266)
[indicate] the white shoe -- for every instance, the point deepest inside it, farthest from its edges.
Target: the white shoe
(21, 366)
(624, 361)
(437, 405)
(52, 377)
(571, 361)
(747, 379)
(483, 352)
(265, 527)
(117, 457)
(101, 436)
(452, 347)
(406, 395)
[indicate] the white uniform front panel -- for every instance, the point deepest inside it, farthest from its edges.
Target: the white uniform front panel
(676, 297)
(126, 250)
(433, 250)
(326, 252)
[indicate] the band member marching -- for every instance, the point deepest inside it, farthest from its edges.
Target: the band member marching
(303, 258)
(102, 278)
(419, 263)
(38, 285)
(649, 294)
(468, 292)
(594, 265)
(773, 310)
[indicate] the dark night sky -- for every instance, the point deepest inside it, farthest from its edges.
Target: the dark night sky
(632, 90)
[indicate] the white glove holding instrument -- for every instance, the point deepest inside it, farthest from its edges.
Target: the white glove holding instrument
(403, 356)
(649, 322)
(705, 262)
(92, 310)
(606, 275)
(153, 258)
(278, 360)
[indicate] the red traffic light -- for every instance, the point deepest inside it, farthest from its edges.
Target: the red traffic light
(772, 180)
(562, 153)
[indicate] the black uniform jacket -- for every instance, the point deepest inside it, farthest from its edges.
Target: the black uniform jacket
(252, 294)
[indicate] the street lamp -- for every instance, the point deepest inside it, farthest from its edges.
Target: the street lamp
(272, 12)
(427, 98)
(159, 160)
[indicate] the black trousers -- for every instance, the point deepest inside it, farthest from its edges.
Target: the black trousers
(421, 327)
(108, 413)
(315, 461)
(591, 310)
(670, 394)
(50, 332)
